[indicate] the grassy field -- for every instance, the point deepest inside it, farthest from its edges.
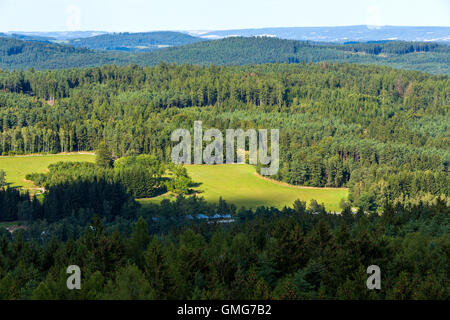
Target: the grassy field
(239, 184)
(17, 167)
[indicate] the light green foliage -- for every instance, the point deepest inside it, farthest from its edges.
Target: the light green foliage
(103, 156)
(17, 167)
(239, 184)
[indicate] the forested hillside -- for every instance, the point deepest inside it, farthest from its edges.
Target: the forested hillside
(141, 41)
(268, 253)
(18, 54)
(382, 132)
(429, 57)
(26, 37)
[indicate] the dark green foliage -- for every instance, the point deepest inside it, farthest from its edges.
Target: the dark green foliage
(13, 203)
(69, 195)
(139, 41)
(17, 54)
(381, 132)
(107, 199)
(272, 255)
(3, 182)
(141, 175)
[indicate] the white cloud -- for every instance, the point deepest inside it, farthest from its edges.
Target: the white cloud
(73, 21)
(373, 17)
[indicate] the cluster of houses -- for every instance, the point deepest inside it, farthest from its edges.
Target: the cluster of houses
(217, 218)
(13, 228)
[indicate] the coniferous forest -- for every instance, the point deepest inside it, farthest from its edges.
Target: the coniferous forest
(18, 53)
(384, 133)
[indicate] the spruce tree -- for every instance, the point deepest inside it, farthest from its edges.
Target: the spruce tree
(103, 156)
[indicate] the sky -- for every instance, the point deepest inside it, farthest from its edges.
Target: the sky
(150, 15)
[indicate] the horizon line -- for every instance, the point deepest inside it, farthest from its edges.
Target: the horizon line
(243, 28)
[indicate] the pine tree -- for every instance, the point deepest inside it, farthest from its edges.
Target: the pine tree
(103, 156)
(2, 179)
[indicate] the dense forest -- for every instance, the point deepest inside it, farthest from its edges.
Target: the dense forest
(26, 37)
(159, 253)
(17, 54)
(140, 41)
(382, 132)
(433, 58)
(142, 176)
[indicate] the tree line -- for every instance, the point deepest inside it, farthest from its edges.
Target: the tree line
(380, 131)
(294, 253)
(16, 54)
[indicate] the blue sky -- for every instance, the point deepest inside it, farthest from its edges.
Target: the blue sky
(141, 15)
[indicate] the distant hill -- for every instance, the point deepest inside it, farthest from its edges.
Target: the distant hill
(18, 54)
(143, 41)
(422, 56)
(339, 34)
(26, 37)
(359, 33)
(429, 57)
(59, 35)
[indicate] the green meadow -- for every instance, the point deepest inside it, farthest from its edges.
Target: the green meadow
(238, 184)
(17, 167)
